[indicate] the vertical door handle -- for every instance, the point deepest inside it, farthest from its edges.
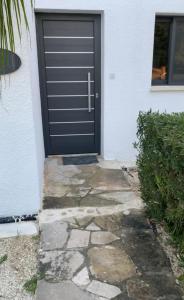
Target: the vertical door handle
(89, 92)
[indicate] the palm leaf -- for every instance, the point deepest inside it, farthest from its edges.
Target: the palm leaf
(12, 17)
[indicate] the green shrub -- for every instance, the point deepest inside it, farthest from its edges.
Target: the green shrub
(161, 168)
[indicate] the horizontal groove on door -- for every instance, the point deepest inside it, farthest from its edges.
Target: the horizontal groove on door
(67, 89)
(72, 128)
(69, 67)
(72, 115)
(59, 52)
(65, 96)
(75, 122)
(73, 134)
(67, 37)
(72, 45)
(69, 81)
(68, 28)
(68, 74)
(69, 102)
(69, 60)
(50, 109)
(65, 144)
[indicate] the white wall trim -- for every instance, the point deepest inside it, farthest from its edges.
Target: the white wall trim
(167, 88)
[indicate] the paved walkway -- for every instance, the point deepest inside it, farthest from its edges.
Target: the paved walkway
(95, 241)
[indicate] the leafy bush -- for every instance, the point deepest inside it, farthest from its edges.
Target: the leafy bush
(161, 168)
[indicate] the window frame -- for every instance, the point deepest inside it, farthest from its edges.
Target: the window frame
(171, 51)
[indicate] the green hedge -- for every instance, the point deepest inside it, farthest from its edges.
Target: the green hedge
(161, 168)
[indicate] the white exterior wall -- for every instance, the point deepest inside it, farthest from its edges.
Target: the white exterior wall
(127, 51)
(21, 138)
(127, 41)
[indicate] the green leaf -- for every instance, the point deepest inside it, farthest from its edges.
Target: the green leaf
(12, 17)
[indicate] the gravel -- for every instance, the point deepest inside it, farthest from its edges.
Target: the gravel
(20, 266)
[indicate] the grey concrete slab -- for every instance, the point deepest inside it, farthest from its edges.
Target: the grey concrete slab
(53, 236)
(62, 291)
(78, 239)
(103, 289)
(60, 265)
(102, 238)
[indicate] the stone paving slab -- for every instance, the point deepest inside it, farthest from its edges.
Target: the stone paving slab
(103, 289)
(104, 249)
(93, 227)
(60, 265)
(62, 291)
(153, 288)
(78, 239)
(65, 185)
(103, 238)
(134, 265)
(82, 278)
(110, 264)
(53, 215)
(54, 236)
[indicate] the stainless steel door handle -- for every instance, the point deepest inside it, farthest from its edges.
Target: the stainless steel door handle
(89, 92)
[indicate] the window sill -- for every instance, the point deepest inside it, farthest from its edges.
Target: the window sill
(167, 88)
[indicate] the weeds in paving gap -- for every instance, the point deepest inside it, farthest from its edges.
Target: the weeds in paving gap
(3, 258)
(30, 286)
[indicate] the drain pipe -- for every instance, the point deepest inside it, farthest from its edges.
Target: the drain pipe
(17, 219)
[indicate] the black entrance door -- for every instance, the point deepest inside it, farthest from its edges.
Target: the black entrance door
(69, 63)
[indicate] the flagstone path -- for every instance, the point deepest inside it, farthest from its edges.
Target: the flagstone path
(95, 240)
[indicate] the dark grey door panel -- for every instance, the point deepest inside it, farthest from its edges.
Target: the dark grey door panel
(68, 28)
(71, 116)
(68, 45)
(71, 59)
(69, 74)
(72, 102)
(68, 88)
(69, 50)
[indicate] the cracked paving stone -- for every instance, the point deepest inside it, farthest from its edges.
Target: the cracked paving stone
(110, 264)
(53, 236)
(78, 239)
(65, 290)
(60, 265)
(82, 278)
(103, 289)
(102, 238)
(93, 227)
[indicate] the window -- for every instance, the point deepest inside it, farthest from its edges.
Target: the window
(168, 56)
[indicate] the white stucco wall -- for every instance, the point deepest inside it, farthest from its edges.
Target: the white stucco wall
(127, 51)
(21, 138)
(127, 38)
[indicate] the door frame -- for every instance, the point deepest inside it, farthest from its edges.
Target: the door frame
(96, 18)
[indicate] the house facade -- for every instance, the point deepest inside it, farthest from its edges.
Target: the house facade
(87, 69)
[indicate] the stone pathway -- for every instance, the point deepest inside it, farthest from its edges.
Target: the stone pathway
(95, 240)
